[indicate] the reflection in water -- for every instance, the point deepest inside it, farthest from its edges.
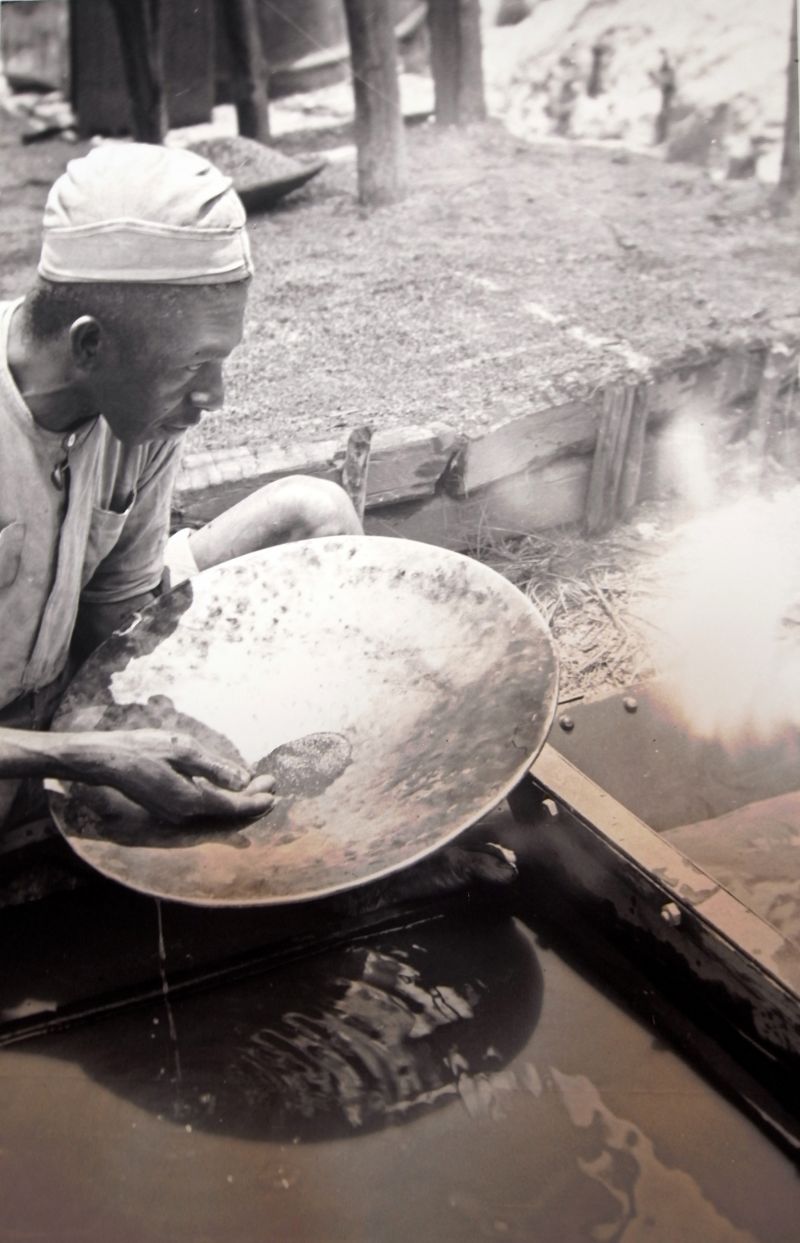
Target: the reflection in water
(360, 1055)
(652, 1200)
(354, 1040)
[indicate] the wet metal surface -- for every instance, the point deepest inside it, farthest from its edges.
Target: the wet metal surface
(754, 852)
(396, 691)
(734, 811)
(652, 764)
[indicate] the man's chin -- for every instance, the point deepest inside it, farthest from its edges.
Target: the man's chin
(165, 429)
(161, 432)
(168, 431)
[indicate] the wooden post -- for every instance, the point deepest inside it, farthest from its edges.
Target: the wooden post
(249, 71)
(634, 452)
(456, 64)
(768, 423)
(790, 161)
(354, 470)
(617, 462)
(378, 120)
(139, 23)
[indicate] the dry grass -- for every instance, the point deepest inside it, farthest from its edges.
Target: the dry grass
(589, 590)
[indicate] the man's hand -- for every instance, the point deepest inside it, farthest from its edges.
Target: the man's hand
(167, 773)
(170, 774)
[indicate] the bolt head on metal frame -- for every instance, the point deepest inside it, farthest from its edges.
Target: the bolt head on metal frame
(671, 914)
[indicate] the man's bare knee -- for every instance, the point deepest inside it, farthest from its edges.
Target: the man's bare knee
(318, 507)
(294, 508)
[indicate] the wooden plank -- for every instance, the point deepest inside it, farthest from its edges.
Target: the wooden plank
(694, 387)
(615, 859)
(402, 494)
(528, 501)
(405, 464)
(525, 502)
(706, 387)
(526, 473)
(409, 462)
(530, 440)
(737, 375)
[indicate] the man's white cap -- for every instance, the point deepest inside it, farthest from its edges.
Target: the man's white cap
(138, 212)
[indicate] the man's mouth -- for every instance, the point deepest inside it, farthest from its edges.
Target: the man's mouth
(183, 424)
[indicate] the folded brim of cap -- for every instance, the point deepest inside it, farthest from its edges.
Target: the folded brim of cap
(141, 251)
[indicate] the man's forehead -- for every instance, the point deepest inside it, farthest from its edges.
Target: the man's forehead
(204, 301)
(205, 318)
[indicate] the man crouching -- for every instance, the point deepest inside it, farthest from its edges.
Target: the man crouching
(116, 350)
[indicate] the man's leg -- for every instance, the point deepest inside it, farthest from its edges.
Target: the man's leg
(297, 507)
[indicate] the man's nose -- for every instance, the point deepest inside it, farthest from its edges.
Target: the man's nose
(210, 391)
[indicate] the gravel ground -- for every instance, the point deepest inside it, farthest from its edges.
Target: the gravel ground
(511, 276)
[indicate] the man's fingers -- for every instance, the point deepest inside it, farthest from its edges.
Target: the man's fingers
(178, 779)
(193, 761)
(247, 803)
(260, 785)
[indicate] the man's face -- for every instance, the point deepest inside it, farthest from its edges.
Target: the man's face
(160, 383)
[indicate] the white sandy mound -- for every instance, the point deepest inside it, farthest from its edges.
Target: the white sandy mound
(729, 58)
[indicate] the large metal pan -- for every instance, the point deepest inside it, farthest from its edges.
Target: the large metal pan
(396, 690)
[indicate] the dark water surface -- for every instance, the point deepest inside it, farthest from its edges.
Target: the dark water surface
(451, 1080)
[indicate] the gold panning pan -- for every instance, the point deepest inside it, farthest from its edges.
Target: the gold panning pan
(396, 690)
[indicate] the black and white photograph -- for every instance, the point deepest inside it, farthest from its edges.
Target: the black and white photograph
(399, 621)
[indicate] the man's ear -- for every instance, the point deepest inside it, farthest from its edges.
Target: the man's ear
(85, 338)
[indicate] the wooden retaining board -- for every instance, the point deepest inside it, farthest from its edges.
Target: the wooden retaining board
(531, 469)
(405, 464)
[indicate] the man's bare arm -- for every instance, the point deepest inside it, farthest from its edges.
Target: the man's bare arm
(168, 773)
